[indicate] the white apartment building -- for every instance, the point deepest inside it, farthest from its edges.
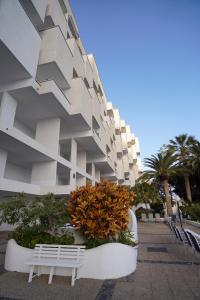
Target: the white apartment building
(57, 130)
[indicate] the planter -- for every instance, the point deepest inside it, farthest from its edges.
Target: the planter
(112, 260)
(190, 222)
(108, 261)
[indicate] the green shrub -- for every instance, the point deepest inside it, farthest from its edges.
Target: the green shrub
(30, 236)
(192, 211)
(93, 243)
(37, 220)
(141, 211)
(124, 237)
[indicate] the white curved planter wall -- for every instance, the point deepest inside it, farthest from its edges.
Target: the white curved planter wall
(133, 225)
(112, 260)
(108, 261)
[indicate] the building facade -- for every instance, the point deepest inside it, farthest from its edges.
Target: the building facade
(57, 129)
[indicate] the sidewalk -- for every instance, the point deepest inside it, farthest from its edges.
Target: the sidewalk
(163, 272)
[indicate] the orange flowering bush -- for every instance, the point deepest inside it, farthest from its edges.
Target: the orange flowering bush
(100, 211)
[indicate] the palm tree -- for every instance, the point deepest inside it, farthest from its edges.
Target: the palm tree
(195, 157)
(162, 166)
(145, 193)
(181, 146)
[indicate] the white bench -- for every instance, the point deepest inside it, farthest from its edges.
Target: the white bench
(64, 256)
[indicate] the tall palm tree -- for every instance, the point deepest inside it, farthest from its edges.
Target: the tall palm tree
(162, 167)
(181, 146)
(195, 157)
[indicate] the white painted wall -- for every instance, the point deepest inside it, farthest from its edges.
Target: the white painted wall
(7, 110)
(48, 133)
(44, 173)
(17, 172)
(22, 127)
(3, 158)
(81, 160)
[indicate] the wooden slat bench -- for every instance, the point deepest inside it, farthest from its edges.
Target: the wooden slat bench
(64, 256)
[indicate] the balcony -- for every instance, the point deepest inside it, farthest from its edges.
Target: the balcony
(78, 61)
(80, 99)
(35, 10)
(124, 141)
(18, 38)
(103, 163)
(55, 59)
(95, 106)
(118, 143)
(126, 163)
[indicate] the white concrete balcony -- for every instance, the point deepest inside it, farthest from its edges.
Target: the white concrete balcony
(35, 10)
(55, 17)
(118, 143)
(57, 190)
(124, 141)
(32, 104)
(55, 59)
(9, 186)
(110, 176)
(103, 163)
(18, 38)
(120, 169)
(95, 106)
(80, 99)
(88, 71)
(78, 61)
(126, 163)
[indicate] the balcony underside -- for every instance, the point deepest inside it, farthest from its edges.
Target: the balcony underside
(20, 152)
(51, 71)
(11, 69)
(33, 107)
(104, 167)
(90, 145)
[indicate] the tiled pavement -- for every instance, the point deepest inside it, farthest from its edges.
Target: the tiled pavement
(164, 271)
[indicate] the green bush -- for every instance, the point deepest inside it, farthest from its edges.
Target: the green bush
(192, 211)
(124, 237)
(37, 220)
(93, 243)
(141, 211)
(30, 236)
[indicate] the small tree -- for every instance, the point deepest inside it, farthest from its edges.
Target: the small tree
(146, 193)
(36, 220)
(47, 212)
(101, 211)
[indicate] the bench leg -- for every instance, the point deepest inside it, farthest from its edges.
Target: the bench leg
(31, 274)
(73, 276)
(51, 275)
(38, 272)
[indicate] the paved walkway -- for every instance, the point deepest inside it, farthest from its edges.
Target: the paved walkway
(164, 271)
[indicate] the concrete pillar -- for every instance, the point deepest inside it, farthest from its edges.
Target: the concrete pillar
(97, 174)
(81, 160)
(7, 110)
(48, 133)
(3, 158)
(74, 163)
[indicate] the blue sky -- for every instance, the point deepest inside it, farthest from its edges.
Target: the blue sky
(148, 55)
